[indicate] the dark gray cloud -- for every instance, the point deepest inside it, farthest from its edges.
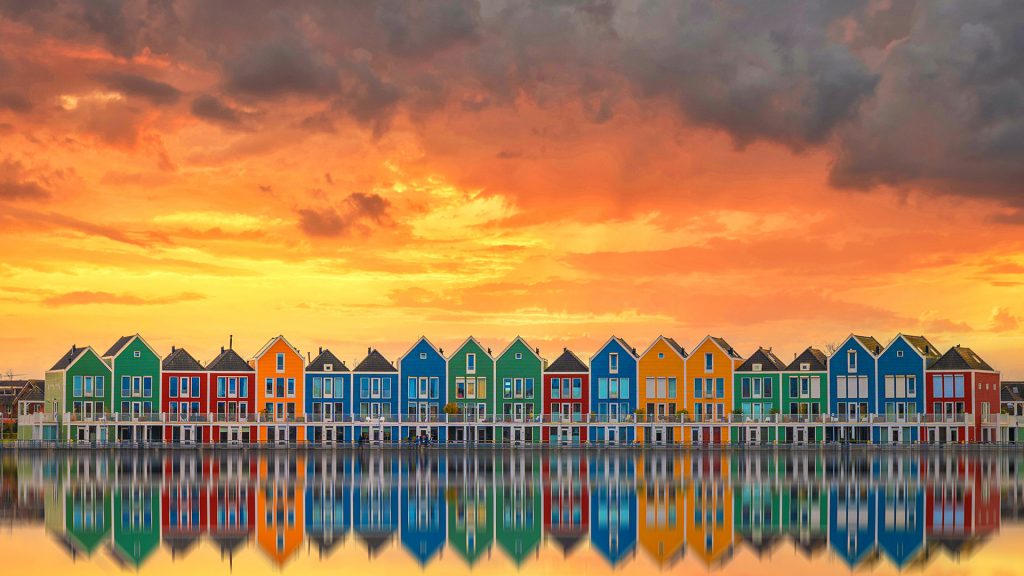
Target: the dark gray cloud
(359, 211)
(211, 108)
(420, 29)
(15, 184)
(280, 67)
(135, 85)
(15, 101)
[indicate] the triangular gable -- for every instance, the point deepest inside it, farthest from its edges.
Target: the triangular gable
(78, 354)
(271, 342)
(416, 345)
(811, 356)
(919, 344)
(721, 344)
(671, 344)
(860, 340)
(475, 341)
(564, 364)
(326, 357)
(124, 341)
(622, 343)
(525, 343)
(764, 356)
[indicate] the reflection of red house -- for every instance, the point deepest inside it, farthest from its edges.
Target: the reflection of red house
(232, 501)
(962, 502)
(566, 398)
(185, 496)
(566, 500)
(960, 382)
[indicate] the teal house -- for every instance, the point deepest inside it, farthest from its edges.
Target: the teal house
(78, 393)
(135, 392)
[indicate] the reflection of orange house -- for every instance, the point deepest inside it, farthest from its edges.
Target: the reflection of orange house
(661, 506)
(709, 374)
(279, 384)
(709, 518)
(279, 506)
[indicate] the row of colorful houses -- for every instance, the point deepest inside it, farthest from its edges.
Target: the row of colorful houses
(905, 391)
(666, 505)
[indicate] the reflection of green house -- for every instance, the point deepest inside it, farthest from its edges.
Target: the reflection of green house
(758, 517)
(86, 517)
(136, 525)
(519, 506)
(470, 520)
(805, 517)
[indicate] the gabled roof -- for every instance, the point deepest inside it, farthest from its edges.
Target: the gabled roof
(228, 361)
(271, 342)
(417, 343)
(874, 347)
(70, 357)
(567, 363)
(816, 358)
(118, 346)
(375, 362)
(525, 343)
(769, 362)
(326, 357)
(960, 358)
(671, 343)
(1011, 392)
(179, 360)
(475, 341)
(727, 347)
(621, 342)
(925, 348)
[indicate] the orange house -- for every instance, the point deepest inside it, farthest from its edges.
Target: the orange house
(280, 520)
(661, 382)
(709, 372)
(661, 506)
(279, 391)
(709, 505)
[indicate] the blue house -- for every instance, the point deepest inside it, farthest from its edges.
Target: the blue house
(328, 397)
(328, 500)
(375, 499)
(613, 507)
(375, 387)
(900, 508)
(853, 388)
(424, 508)
(423, 371)
(901, 387)
(852, 519)
(613, 397)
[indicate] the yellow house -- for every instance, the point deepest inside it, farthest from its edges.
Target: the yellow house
(661, 503)
(709, 505)
(708, 398)
(661, 382)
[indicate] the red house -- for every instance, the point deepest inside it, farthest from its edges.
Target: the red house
(232, 398)
(183, 397)
(566, 499)
(566, 399)
(960, 383)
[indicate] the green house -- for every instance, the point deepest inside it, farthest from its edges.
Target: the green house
(136, 391)
(757, 511)
(805, 515)
(519, 507)
(756, 394)
(518, 374)
(136, 523)
(78, 392)
(471, 518)
(805, 396)
(86, 517)
(471, 391)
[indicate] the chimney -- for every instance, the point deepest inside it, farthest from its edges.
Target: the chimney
(488, 351)
(441, 350)
(537, 350)
(565, 348)
(321, 349)
(172, 349)
(221, 349)
(634, 351)
(231, 341)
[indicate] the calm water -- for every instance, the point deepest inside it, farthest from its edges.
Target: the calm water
(510, 511)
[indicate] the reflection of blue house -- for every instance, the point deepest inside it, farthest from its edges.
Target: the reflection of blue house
(375, 500)
(375, 391)
(613, 391)
(901, 386)
(328, 393)
(852, 386)
(328, 501)
(613, 507)
(424, 510)
(852, 522)
(901, 520)
(423, 374)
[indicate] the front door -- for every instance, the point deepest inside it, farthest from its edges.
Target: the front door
(329, 436)
(281, 436)
(801, 435)
(613, 412)
(894, 435)
(754, 436)
(613, 435)
(658, 434)
(517, 434)
(188, 434)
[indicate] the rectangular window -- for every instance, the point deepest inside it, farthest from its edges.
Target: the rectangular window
(672, 387)
(947, 385)
(243, 387)
(291, 387)
(851, 360)
(280, 361)
(745, 387)
(88, 385)
(507, 388)
(529, 388)
(460, 388)
(99, 386)
(76, 386)
(602, 388)
(386, 394)
(233, 387)
(937, 385)
(815, 391)
(556, 389)
(709, 362)
(279, 389)
(481, 388)
(126, 386)
(613, 363)
(767, 387)
(328, 387)
(720, 388)
(147, 382)
(613, 388)
(221, 386)
(662, 387)
(911, 386)
(890, 386)
(755, 388)
(318, 384)
(184, 387)
(471, 363)
(793, 387)
(270, 388)
(651, 390)
(411, 387)
(435, 386)
(841, 391)
(958, 384)
(862, 386)
(698, 387)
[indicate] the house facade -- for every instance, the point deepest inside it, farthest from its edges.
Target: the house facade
(757, 397)
(518, 376)
(279, 394)
(470, 392)
(566, 399)
(136, 388)
(710, 369)
(232, 394)
(961, 383)
(78, 390)
(613, 399)
(423, 370)
(661, 390)
(901, 394)
(376, 391)
(328, 398)
(853, 388)
(805, 396)
(184, 398)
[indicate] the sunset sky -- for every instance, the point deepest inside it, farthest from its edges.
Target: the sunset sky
(356, 174)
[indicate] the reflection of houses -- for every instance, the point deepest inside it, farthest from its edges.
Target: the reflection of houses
(661, 506)
(613, 506)
(757, 502)
(566, 498)
(852, 513)
(86, 504)
(900, 509)
(279, 526)
(962, 503)
(470, 505)
(423, 507)
(709, 503)
(232, 501)
(136, 509)
(375, 500)
(185, 502)
(519, 505)
(328, 500)
(804, 503)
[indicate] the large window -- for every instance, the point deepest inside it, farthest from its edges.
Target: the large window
(709, 362)
(280, 361)
(471, 363)
(613, 363)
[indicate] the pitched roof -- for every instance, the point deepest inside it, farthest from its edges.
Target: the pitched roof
(472, 339)
(1011, 392)
(625, 345)
(567, 362)
(271, 342)
(766, 358)
(869, 343)
(228, 361)
(118, 346)
(816, 358)
(375, 362)
(179, 360)
(671, 343)
(326, 357)
(923, 346)
(69, 358)
(535, 352)
(727, 347)
(960, 358)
